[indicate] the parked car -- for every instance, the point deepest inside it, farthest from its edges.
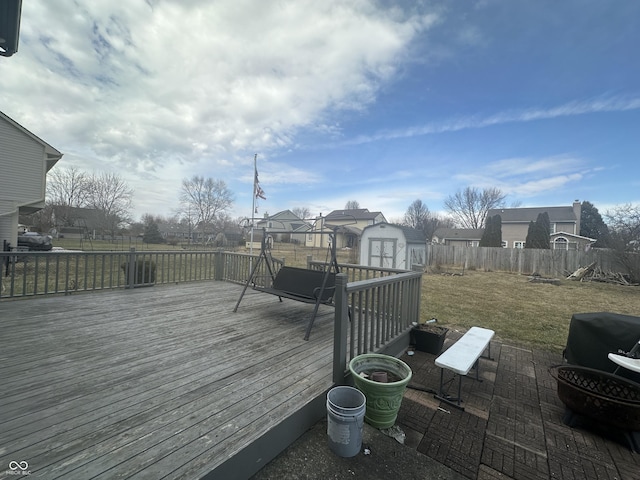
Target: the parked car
(35, 241)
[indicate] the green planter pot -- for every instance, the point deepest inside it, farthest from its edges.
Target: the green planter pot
(383, 399)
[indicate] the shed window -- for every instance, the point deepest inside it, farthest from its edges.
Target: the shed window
(561, 243)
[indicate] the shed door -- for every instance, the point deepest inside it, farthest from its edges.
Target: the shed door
(382, 252)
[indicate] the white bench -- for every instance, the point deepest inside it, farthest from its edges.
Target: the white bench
(461, 357)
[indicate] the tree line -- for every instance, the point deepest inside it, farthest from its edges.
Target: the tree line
(71, 193)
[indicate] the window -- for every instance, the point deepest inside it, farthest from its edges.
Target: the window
(561, 243)
(518, 244)
(505, 244)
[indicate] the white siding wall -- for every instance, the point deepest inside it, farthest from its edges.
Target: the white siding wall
(22, 166)
(22, 177)
(9, 230)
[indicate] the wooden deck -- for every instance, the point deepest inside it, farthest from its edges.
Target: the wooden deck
(162, 382)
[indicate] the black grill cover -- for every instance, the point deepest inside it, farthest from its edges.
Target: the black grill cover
(592, 336)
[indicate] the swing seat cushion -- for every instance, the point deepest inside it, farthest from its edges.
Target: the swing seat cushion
(303, 284)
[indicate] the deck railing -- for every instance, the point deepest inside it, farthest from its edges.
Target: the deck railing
(372, 314)
(26, 274)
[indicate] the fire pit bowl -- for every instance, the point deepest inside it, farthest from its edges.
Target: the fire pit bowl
(600, 396)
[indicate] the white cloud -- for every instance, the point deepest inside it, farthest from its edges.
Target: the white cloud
(162, 90)
(511, 167)
(141, 81)
(530, 177)
(573, 108)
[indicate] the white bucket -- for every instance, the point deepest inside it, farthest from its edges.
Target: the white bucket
(345, 419)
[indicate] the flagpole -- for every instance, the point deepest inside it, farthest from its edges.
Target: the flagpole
(253, 204)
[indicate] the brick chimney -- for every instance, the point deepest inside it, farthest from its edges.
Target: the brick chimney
(577, 211)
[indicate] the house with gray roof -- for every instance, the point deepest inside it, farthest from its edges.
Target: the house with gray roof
(283, 225)
(347, 225)
(565, 226)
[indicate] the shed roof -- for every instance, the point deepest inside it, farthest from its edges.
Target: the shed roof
(411, 235)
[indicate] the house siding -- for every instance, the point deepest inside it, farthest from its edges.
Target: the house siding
(566, 227)
(24, 161)
(22, 165)
(8, 230)
(514, 233)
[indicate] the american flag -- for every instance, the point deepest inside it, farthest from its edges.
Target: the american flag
(258, 189)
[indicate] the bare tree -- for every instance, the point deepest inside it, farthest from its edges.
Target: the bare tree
(624, 238)
(205, 199)
(416, 215)
(302, 212)
(110, 195)
(66, 189)
(469, 207)
(435, 222)
(352, 205)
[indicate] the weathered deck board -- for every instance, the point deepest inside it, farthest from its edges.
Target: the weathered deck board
(152, 382)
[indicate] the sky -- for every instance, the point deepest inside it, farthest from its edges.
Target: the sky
(379, 102)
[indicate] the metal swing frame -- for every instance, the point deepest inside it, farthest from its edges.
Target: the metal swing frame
(319, 292)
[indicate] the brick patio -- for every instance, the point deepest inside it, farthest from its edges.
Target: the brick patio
(512, 423)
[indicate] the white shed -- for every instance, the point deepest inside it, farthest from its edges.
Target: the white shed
(25, 160)
(392, 246)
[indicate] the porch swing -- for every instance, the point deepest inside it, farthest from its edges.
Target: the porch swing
(300, 284)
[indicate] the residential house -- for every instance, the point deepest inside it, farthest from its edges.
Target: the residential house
(285, 226)
(82, 222)
(392, 246)
(347, 226)
(229, 239)
(178, 232)
(461, 237)
(25, 160)
(565, 226)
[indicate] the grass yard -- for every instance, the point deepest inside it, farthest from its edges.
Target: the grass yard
(520, 312)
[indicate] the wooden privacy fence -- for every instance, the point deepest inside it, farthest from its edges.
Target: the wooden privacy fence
(520, 260)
